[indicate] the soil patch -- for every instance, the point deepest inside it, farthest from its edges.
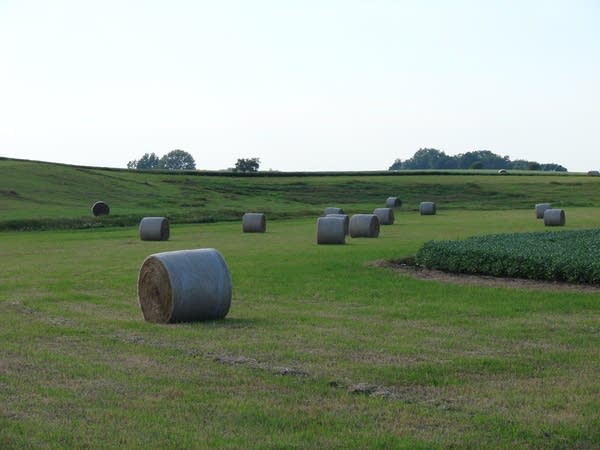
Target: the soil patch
(408, 267)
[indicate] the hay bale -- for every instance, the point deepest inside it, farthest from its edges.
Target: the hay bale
(364, 225)
(342, 216)
(184, 286)
(554, 217)
(331, 230)
(427, 208)
(502, 172)
(100, 209)
(154, 229)
(333, 210)
(385, 215)
(393, 202)
(254, 223)
(540, 208)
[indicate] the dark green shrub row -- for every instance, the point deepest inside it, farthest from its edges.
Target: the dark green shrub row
(572, 256)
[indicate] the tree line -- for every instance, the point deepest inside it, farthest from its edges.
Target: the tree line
(431, 158)
(182, 160)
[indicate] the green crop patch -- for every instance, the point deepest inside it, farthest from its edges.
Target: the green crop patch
(572, 256)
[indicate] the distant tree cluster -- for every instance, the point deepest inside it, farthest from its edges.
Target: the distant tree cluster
(174, 160)
(247, 165)
(430, 158)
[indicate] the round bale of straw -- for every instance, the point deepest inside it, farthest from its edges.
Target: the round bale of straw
(393, 202)
(100, 209)
(540, 208)
(184, 286)
(385, 215)
(364, 225)
(331, 230)
(254, 223)
(427, 208)
(344, 217)
(154, 229)
(554, 217)
(333, 210)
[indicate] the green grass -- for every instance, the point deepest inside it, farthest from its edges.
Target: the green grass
(572, 256)
(446, 365)
(37, 195)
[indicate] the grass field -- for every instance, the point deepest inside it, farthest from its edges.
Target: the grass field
(321, 349)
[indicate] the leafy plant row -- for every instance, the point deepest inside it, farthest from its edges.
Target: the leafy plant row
(572, 256)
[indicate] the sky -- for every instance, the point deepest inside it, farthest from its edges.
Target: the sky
(305, 85)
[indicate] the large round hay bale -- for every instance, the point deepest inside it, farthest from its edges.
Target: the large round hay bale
(385, 215)
(331, 230)
(254, 223)
(364, 225)
(540, 208)
(344, 217)
(427, 208)
(333, 210)
(154, 229)
(100, 209)
(184, 286)
(554, 217)
(393, 202)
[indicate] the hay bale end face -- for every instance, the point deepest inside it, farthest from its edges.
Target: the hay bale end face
(385, 215)
(393, 202)
(333, 210)
(184, 286)
(502, 172)
(554, 218)
(254, 223)
(427, 208)
(331, 230)
(540, 208)
(344, 217)
(100, 209)
(364, 225)
(154, 229)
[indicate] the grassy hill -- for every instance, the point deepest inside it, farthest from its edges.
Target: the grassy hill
(37, 195)
(322, 347)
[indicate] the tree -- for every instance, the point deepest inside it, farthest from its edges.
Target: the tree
(551, 167)
(397, 165)
(247, 165)
(177, 160)
(429, 158)
(148, 161)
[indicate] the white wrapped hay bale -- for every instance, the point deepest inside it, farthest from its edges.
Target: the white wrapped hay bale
(154, 229)
(364, 225)
(554, 217)
(344, 217)
(385, 215)
(393, 202)
(540, 208)
(100, 209)
(333, 210)
(331, 229)
(254, 223)
(427, 208)
(184, 286)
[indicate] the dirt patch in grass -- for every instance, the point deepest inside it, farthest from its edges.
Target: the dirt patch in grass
(407, 266)
(254, 364)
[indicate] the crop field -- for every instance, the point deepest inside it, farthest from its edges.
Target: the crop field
(322, 347)
(572, 256)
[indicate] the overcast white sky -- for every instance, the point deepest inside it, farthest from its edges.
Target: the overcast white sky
(302, 85)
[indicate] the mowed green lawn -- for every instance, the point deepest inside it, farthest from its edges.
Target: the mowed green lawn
(321, 349)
